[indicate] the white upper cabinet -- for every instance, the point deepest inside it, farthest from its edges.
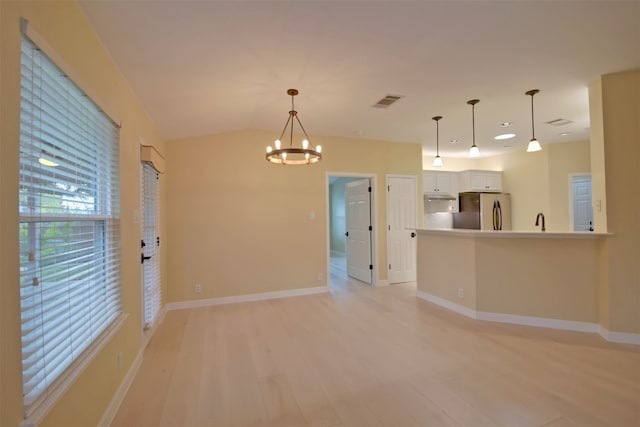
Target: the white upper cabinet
(440, 183)
(476, 180)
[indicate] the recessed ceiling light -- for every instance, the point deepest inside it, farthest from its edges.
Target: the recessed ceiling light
(507, 147)
(565, 133)
(504, 136)
(453, 141)
(505, 124)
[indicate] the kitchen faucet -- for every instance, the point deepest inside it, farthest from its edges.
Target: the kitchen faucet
(540, 214)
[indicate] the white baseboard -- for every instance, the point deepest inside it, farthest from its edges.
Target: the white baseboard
(541, 322)
(619, 337)
(460, 309)
(246, 298)
(116, 400)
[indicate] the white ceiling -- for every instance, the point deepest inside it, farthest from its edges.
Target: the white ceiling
(204, 67)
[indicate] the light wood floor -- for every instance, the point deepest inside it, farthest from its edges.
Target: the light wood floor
(362, 356)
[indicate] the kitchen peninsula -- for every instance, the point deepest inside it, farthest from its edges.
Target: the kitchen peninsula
(532, 278)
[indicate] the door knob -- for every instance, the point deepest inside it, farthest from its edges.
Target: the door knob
(346, 234)
(144, 258)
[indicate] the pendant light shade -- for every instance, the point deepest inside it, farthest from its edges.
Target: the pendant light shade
(437, 161)
(534, 144)
(474, 151)
(291, 155)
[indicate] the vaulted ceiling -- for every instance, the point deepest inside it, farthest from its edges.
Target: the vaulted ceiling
(203, 67)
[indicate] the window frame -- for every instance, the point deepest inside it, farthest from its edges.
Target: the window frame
(105, 224)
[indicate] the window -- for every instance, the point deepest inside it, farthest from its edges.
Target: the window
(150, 245)
(69, 223)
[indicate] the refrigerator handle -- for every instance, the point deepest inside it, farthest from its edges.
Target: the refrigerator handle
(495, 215)
(499, 215)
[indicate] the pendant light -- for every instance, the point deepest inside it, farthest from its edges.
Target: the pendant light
(473, 151)
(437, 161)
(534, 144)
(291, 155)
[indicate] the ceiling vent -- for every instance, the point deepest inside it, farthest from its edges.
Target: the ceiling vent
(559, 122)
(387, 101)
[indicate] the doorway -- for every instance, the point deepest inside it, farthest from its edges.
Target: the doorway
(351, 225)
(581, 216)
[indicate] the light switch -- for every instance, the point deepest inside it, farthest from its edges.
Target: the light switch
(599, 205)
(312, 215)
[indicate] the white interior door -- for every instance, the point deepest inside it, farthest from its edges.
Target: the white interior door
(358, 229)
(582, 208)
(401, 220)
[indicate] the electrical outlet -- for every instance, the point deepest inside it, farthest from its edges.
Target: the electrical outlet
(120, 360)
(460, 292)
(198, 288)
(320, 276)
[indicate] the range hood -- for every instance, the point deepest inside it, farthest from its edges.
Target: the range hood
(430, 197)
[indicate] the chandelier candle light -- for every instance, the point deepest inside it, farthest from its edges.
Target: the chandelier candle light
(534, 144)
(473, 151)
(291, 155)
(437, 161)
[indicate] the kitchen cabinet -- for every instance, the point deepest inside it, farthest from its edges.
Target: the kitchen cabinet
(440, 183)
(478, 180)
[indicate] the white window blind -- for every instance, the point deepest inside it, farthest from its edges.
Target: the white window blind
(151, 245)
(69, 223)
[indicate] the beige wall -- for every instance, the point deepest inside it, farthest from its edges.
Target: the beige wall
(565, 160)
(620, 95)
(66, 30)
(550, 278)
(243, 226)
(446, 264)
(526, 177)
(547, 278)
(598, 179)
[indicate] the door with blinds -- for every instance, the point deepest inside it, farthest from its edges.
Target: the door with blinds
(150, 245)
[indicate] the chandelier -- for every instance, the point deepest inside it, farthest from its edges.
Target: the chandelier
(290, 155)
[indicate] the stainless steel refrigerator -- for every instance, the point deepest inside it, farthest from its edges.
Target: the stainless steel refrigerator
(483, 211)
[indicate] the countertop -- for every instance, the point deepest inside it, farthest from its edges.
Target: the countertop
(510, 234)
